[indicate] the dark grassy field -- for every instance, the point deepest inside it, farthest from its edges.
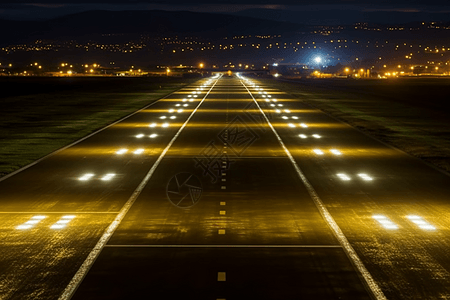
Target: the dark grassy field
(411, 114)
(39, 115)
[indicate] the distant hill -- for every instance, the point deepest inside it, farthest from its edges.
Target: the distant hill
(154, 22)
(343, 16)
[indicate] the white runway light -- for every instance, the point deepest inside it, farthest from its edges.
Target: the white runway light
(31, 222)
(185, 105)
(61, 223)
(303, 125)
(184, 100)
(173, 117)
(385, 222)
(108, 176)
(295, 117)
(165, 125)
(180, 111)
(138, 151)
(153, 135)
(284, 117)
(122, 151)
(140, 135)
(152, 125)
(343, 177)
(272, 104)
(274, 100)
(171, 110)
(420, 222)
(316, 136)
(291, 125)
(191, 100)
(335, 152)
(287, 111)
(86, 177)
(318, 151)
(365, 177)
(177, 104)
(280, 104)
(277, 111)
(302, 136)
(163, 117)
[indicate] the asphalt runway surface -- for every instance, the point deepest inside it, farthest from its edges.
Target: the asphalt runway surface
(226, 190)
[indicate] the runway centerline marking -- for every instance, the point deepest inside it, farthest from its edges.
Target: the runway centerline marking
(95, 252)
(351, 253)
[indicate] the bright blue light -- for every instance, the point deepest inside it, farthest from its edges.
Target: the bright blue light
(318, 59)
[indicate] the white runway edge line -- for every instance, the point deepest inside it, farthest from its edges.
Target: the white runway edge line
(370, 283)
(95, 252)
(223, 246)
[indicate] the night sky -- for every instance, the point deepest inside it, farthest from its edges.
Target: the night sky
(323, 12)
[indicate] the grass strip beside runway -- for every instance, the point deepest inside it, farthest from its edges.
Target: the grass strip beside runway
(63, 110)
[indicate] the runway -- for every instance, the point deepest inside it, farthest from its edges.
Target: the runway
(226, 189)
